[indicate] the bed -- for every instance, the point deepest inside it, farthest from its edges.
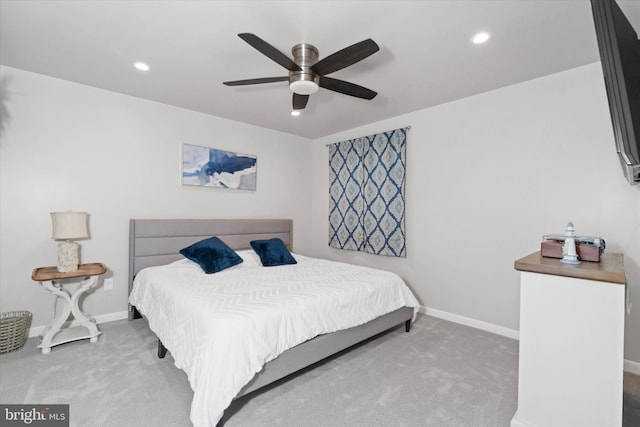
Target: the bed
(228, 357)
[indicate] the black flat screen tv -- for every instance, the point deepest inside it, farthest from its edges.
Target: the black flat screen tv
(619, 49)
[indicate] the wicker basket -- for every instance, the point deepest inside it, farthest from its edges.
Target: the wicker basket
(14, 330)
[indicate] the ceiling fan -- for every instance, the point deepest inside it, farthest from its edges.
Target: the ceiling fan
(307, 74)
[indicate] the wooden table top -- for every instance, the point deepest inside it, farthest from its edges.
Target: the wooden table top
(609, 269)
(41, 274)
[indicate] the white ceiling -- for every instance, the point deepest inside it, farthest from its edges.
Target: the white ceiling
(425, 58)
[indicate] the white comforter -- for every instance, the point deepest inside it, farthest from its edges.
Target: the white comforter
(222, 328)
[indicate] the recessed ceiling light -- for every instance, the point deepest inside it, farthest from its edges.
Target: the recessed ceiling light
(481, 37)
(141, 66)
(295, 113)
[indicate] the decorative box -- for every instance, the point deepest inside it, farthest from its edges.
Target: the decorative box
(586, 251)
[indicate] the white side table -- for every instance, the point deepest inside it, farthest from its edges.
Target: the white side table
(54, 334)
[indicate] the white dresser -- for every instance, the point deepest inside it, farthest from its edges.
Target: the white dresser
(571, 342)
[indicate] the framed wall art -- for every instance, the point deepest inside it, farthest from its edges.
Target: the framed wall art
(209, 167)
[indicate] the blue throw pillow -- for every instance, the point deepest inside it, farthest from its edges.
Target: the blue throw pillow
(272, 252)
(212, 255)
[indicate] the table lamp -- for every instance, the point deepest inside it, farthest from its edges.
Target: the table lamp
(67, 226)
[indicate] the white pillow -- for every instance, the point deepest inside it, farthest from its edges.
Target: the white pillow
(249, 258)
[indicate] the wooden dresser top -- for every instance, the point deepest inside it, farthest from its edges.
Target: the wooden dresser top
(609, 269)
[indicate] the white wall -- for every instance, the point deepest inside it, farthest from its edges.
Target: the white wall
(487, 176)
(69, 146)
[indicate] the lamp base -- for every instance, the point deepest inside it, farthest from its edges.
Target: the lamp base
(68, 257)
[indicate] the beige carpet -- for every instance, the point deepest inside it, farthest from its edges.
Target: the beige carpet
(440, 374)
(631, 401)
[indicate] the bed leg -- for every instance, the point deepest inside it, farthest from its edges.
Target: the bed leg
(162, 350)
(407, 326)
(136, 313)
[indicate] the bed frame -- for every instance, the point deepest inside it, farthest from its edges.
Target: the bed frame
(158, 241)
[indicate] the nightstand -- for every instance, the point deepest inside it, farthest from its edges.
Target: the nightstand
(50, 279)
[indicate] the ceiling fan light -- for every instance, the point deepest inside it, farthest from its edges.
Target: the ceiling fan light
(303, 87)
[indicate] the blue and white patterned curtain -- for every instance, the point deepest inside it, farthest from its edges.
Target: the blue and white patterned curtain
(366, 193)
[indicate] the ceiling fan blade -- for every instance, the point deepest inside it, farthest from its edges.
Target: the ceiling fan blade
(300, 101)
(345, 57)
(347, 88)
(270, 51)
(256, 81)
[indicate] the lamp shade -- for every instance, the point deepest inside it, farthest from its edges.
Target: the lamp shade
(69, 225)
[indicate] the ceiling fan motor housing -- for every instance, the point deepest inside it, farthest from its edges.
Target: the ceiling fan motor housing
(304, 82)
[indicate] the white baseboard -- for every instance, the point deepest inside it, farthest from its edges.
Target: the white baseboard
(467, 321)
(34, 331)
(631, 366)
(515, 422)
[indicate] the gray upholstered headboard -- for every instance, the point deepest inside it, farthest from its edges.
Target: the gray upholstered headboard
(158, 241)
